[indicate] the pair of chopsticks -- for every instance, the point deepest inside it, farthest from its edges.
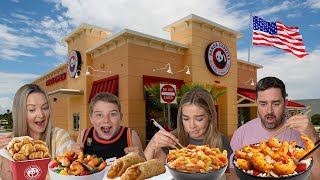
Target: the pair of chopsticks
(9, 135)
(160, 127)
(310, 152)
(279, 131)
(306, 111)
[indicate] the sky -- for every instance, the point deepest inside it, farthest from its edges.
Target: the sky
(31, 33)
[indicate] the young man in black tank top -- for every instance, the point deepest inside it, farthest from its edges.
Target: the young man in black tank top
(107, 138)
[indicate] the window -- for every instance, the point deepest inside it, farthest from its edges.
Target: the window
(76, 121)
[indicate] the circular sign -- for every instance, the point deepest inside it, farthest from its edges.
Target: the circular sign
(168, 93)
(74, 63)
(32, 172)
(218, 58)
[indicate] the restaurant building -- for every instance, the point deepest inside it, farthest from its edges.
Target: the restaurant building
(199, 52)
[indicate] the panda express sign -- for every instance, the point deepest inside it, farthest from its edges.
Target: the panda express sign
(74, 63)
(218, 58)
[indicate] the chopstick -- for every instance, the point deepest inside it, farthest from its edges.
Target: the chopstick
(305, 113)
(307, 110)
(160, 127)
(279, 131)
(310, 152)
(9, 135)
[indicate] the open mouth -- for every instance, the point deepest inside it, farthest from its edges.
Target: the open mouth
(270, 118)
(106, 129)
(39, 123)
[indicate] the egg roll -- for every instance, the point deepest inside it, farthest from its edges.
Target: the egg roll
(120, 165)
(144, 170)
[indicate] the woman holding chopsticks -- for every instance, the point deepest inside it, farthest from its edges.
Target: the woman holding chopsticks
(197, 124)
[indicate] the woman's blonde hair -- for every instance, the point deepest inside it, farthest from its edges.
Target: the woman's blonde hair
(203, 99)
(19, 112)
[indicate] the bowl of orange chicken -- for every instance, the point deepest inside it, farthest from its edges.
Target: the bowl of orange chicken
(197, 163)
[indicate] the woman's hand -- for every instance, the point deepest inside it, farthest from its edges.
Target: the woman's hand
(4, 141)
(163, 139)
(77, 147)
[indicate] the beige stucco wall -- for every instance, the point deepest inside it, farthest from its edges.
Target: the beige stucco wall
(131, 57)
(198, 37)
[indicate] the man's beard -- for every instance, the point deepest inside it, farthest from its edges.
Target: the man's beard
(273, 124)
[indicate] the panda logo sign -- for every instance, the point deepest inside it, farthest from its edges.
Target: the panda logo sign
(74, 63)
(218, 58)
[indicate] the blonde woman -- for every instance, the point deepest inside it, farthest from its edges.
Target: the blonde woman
(31, 115)
(196, 124)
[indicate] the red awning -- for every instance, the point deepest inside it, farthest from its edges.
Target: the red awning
(149, 80)
(252, 95)
(109, 84)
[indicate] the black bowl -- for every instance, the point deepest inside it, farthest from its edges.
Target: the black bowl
(214, 174)
(245, 176)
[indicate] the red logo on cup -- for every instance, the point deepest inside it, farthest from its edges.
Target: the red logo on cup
(32, 172)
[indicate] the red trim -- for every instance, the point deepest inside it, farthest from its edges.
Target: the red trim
(86, 134)
(150, 80)
(129, 137)
(109, 84)
(251, 94)
(107, 141)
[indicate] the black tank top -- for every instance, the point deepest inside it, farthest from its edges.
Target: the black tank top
(114, 147)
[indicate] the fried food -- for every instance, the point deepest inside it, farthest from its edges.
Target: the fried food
(76, 165)
(19, 157)
(36, 155)
(27, 149)
(197, 159)
(41, 147)
(309, 146)
(144, 170)
(273, 158)
(121, 164)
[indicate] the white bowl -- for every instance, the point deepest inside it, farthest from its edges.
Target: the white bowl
(95, 176)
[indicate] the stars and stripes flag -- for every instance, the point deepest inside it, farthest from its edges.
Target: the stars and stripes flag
(278, 35)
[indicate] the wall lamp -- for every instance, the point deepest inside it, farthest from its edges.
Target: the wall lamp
(88, 73)
(251, 81)
(168, 71)
(185, 67)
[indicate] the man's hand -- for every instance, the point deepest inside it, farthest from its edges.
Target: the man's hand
(302, 124)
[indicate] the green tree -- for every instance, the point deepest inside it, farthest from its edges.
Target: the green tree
(7, 116)
(315, 119)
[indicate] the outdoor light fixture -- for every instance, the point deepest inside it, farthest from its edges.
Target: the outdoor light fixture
(88, 72)
(168, 71)
(185, 67)
(252, 82)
